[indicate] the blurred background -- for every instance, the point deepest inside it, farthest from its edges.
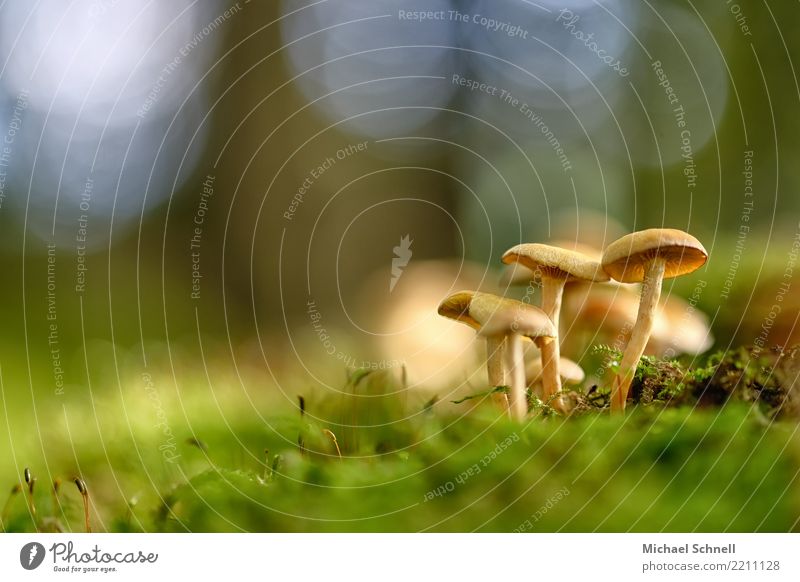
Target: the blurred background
(260, 195)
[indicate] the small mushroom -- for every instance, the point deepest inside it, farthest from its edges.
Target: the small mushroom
(475, 309)
(647, 257)
(457, 307)
(555, 267)
(513, 322)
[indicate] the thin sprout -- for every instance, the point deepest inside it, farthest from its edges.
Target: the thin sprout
(131, 504)
(276, 462)
(196, 442)
(81, 485)
(300, 440)
(31, 481)
(56, 490)
(15, 490)
(335, 442)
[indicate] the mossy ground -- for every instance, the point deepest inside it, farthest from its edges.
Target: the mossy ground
(714, 447)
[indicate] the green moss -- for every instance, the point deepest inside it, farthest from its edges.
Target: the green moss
(694, 453)
(764, 379)
(669, 469)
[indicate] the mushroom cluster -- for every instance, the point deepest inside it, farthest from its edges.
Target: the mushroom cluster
(646, 257)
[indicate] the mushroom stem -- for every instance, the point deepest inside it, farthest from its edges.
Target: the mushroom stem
(517, 403)
(552, 292)
(495, 346)
(551, 381)
(651, 293)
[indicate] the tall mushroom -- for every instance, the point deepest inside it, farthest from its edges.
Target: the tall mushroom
(513, 322)
(555, 267)
(647, 257)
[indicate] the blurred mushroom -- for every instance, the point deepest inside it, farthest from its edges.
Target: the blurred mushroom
(600, 314)
(571, 373)
(516, 275)
(437, 353)
(513, 322)
(647, 257)
(680, 328)
(607, 313)
(554, 267)
(585, 226)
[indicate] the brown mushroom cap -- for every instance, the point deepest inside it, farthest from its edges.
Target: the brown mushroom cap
(626, 259)
(456, 306)
(556, 262)
(570, 372)
(571, 245)
(476, 309)
(518, 274)
(518, 318)
(484, 306)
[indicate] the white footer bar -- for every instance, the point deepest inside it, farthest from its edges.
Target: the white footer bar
(410, 558)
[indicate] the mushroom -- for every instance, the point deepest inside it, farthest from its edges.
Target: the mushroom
(555, 267)
(601, 314)
(512, 323)
(606, 314)
(457, 307)
(680, 328)
(585, 226)
(571, 375)
(435, 351)
(475, 309)
(647, 257)
(570, 372)
(517, 274)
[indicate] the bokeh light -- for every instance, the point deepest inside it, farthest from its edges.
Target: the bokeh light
(112, 109)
